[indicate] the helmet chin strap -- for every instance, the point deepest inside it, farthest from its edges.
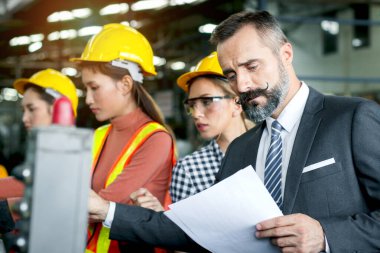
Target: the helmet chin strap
(133, 68)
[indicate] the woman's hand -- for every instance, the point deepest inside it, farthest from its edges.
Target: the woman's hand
(142, 197)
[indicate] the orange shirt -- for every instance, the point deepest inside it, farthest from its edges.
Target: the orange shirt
(149, 167)
(11, 188)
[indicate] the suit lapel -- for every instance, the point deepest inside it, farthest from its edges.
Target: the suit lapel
(301, 148)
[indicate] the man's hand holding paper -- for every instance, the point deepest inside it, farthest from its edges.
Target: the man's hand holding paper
(223, 218)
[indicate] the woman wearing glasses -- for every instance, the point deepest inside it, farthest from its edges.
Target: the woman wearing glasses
(212, 105)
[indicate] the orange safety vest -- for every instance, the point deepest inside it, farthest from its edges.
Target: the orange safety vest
(98, 235)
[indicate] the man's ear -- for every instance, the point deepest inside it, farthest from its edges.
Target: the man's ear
(287, 53)
(237, 110)
(126, 84)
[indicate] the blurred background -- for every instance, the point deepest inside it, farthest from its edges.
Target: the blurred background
(336, 47)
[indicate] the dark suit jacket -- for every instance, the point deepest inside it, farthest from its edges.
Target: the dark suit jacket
(344, 196)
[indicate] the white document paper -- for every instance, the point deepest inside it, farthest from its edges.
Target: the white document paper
(223, 217)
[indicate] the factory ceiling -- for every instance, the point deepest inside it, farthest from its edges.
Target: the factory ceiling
(29, 42)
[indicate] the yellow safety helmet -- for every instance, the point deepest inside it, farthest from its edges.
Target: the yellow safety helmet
(207, 66)
(119, 42)
(3, 171)
(53, 79)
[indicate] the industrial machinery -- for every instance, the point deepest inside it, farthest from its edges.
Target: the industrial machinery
(53, 210)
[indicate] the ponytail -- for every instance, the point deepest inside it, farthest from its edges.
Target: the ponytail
(147, 104)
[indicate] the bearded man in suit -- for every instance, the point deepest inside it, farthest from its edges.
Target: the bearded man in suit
(318, 156)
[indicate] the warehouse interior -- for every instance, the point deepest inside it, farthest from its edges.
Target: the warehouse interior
(335, 44)
(51, 172)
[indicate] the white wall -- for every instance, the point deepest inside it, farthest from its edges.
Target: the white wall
(346, 62)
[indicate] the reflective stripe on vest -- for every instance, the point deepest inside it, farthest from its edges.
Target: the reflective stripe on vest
(99, 234)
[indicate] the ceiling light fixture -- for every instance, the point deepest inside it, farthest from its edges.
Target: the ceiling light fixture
(207, 28)
(60, 16)
(34, 46)
(69, 15)
(54, 36)
(64, 34)
(178, 65)
(135, 24)
(114, 9)
(356, 42)
(159, 61)
(10, 94)
(82, 13)
(149, 4)
(330, 26)
(80, 93)
(19, 41)
(68, 34)
(182, 2)
(36, 37)
(89, 30)
(69, 71)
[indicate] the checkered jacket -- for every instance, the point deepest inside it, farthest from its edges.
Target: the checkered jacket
(195, 172)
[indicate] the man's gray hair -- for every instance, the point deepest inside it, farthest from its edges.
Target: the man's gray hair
(266, 25)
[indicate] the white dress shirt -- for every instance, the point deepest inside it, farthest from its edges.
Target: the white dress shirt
(289, 119)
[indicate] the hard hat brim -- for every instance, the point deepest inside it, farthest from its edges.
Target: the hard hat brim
(75, 59)
(183, 80)
(147, 73)
(19, 84)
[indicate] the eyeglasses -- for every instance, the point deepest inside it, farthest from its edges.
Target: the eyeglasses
(202, 103)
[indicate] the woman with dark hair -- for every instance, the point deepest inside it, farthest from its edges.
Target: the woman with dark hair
(37, 105)
(39, 93)
(136, 149)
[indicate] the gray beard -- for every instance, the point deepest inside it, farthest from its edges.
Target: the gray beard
(275, 97)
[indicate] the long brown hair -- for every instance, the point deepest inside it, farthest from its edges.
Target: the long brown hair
(142, 98)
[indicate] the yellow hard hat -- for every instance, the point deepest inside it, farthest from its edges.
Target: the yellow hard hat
(53, 79)
(119, 42)
(3, 171)
(207, 66)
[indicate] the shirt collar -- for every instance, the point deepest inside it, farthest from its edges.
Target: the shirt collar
(215, 147)
(293, 110)
(132, 120)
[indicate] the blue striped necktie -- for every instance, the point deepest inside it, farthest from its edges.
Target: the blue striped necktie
(273, 164)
